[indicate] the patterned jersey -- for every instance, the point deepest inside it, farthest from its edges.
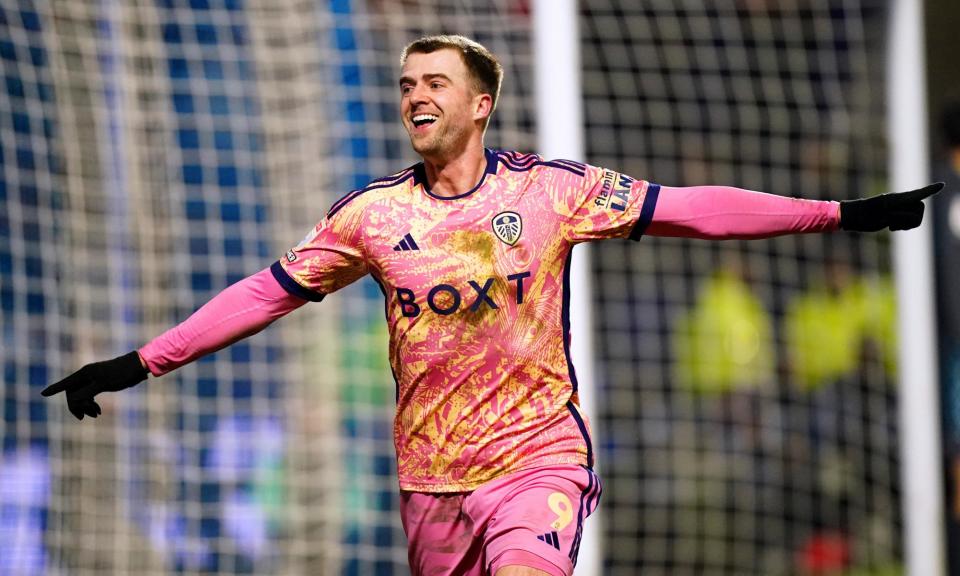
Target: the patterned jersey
(477, 293)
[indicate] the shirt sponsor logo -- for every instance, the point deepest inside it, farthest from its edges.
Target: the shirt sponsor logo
(507, 226)
(444, 299)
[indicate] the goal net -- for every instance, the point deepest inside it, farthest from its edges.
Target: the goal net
(748, 415)
(152, 153)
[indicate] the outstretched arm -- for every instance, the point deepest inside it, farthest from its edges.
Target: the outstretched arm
(723, 212)
(241, 310)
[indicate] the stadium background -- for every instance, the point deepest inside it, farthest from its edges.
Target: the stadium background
(151, 153)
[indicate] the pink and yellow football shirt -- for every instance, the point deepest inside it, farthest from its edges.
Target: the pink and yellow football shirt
(477, 305)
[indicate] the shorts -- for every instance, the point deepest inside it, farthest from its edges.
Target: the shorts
(529, 518)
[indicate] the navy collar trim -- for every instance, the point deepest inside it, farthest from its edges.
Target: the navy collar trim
(420, 177)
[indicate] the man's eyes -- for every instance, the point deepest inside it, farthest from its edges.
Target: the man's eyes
(407, 88)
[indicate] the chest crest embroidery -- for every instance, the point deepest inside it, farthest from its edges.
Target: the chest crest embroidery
(507, 226)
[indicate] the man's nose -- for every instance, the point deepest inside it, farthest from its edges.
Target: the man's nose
(418, 95)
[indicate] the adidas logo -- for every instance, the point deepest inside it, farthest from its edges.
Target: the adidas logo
(550, 538)
(407, 243)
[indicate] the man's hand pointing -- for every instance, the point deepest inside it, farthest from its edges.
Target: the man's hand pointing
(107, 376)
(896, 211)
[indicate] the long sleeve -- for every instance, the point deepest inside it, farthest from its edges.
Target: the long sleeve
(241, 310)
(723, 212)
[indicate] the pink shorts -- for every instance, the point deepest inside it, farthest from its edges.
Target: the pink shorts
(530, 518)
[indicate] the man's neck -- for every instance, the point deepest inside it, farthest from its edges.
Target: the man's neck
(456, 175)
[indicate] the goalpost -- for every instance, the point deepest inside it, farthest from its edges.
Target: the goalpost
(913, 260)
(556, 43)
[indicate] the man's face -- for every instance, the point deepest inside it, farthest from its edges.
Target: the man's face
(438, 104)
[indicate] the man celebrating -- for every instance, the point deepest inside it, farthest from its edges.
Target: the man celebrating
(471, 248)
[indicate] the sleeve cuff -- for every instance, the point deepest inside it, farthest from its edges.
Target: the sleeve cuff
(291, 285)
(646, 211)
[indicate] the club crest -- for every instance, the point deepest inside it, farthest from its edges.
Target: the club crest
(507, 226)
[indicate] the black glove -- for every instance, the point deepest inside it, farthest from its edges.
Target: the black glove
(897, 210)
(107, 376)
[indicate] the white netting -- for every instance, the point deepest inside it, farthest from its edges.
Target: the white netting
(748, 415)
(153, 152)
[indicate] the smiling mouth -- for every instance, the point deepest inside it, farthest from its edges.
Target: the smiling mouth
(421, 120)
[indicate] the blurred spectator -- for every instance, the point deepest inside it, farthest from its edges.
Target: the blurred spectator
(726, 340)
(825, 327)
(946, 221)
(946, 218)
(849, 474)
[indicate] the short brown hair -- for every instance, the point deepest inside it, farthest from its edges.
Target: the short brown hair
(483, 65)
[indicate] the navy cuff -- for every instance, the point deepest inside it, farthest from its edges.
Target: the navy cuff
(291, 285)
(646, 211)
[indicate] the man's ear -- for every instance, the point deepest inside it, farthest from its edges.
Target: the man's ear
(482, 106)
